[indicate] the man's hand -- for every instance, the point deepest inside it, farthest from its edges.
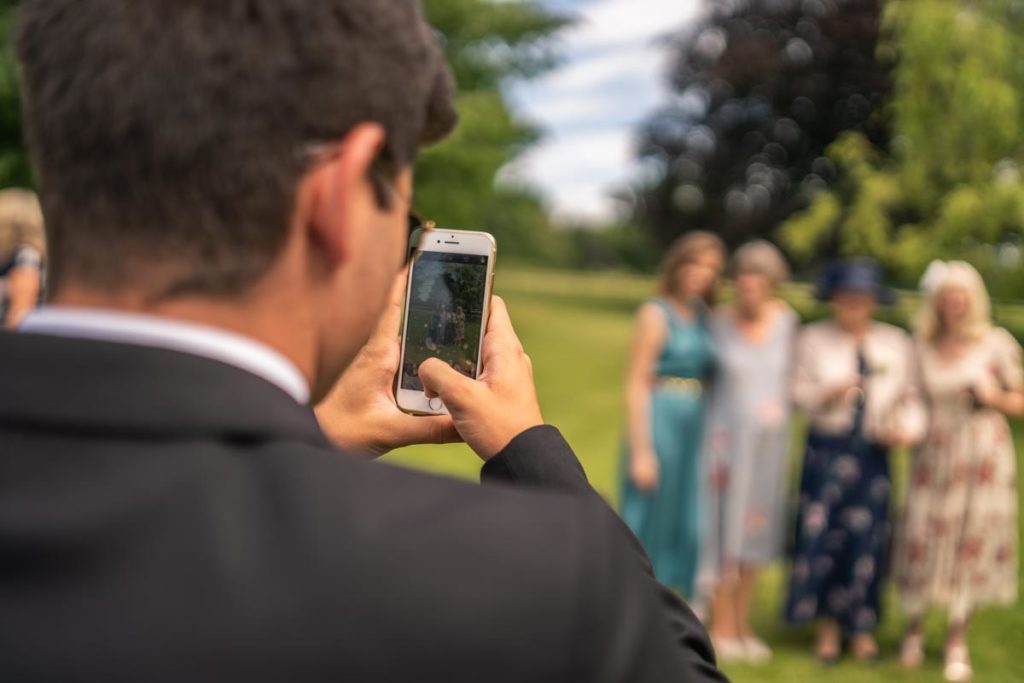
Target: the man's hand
(360, 413)
(502, 404)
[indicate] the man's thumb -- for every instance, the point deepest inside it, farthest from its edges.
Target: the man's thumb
(442, 379)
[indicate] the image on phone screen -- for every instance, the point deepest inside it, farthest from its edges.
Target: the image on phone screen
(446, 302)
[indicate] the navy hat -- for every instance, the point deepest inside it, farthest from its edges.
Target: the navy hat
(862, 275)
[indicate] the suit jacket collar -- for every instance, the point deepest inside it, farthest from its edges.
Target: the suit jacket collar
(64, 384)
(129, 327)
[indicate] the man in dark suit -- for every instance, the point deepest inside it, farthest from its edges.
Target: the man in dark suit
(226, 186)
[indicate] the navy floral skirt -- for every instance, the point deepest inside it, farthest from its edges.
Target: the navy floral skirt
(842, 533)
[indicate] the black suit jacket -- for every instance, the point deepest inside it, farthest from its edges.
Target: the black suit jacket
(165, 517)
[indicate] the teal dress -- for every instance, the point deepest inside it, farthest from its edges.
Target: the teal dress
(667, 521)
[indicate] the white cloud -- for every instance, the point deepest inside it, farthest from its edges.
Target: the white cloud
(612, 77)
(608, 24)
(575, 170)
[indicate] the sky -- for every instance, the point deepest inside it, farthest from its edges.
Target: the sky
(611, 77)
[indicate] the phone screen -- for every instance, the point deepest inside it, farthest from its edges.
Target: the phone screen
(445, 316)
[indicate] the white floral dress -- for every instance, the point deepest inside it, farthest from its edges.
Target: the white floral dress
(958, 540)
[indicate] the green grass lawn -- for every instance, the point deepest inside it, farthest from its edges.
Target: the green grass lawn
(576, 328)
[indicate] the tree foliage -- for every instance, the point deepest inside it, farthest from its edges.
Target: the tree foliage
(487, 43)
(950, 184)
(761, 88)
(14, 165)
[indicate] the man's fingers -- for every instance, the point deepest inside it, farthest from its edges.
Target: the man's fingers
(498, 321)
(390, 324)
(500, 332)
(440, 379)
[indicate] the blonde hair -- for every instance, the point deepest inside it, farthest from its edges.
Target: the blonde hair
(684, 251)
(763, 258)
(21, 220)
(929, 326)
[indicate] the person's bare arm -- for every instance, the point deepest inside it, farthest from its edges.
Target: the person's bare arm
(809, 393)
(805, 387)
(23, 285)
(1010, 403)
(649, 335)
(1008, 396)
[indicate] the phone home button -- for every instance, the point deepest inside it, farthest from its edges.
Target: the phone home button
(435, 404)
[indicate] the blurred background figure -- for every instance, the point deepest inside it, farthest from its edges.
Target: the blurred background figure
(958, 546)
(853, 379)
(748, 438)
(671, 359)
(22, 249)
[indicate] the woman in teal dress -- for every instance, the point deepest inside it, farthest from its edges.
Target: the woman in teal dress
(671, 359)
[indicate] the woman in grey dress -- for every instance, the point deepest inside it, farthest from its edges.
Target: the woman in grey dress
(745, 454)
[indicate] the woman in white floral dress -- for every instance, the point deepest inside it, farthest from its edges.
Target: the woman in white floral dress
(958, 543)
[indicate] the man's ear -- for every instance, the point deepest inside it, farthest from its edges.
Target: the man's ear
(338, 192)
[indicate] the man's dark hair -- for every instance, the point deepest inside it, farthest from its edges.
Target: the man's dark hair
(175, 132)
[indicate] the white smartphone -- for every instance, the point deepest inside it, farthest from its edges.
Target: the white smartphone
(446, 308)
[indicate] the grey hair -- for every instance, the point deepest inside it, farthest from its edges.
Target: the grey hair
(761, 257)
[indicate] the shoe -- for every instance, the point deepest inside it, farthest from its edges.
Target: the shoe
(912, 651)
(958, 664)
(730, 650)
(757, 650)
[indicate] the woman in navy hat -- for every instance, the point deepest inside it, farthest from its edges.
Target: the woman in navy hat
(853, 378)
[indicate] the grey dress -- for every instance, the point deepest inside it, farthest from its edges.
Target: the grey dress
(747, 444)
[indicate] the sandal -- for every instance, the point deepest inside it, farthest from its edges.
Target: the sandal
(729, 649)
(958, 664)
(757, 650)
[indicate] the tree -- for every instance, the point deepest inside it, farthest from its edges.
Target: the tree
(762, 88)
(487, 43)
(950, 186)
(14, 164)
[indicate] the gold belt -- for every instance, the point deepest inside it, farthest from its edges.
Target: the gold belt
(682, 385)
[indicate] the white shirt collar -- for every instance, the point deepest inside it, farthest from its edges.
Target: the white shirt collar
(165, 333)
